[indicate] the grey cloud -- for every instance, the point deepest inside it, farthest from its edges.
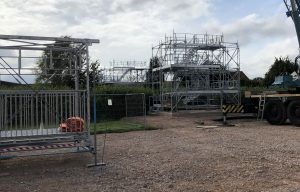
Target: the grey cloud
(132, 5)
(164, 8)
(131, 26)
(76, 12)
(253, 28)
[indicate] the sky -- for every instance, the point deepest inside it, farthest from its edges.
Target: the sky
(128, 29)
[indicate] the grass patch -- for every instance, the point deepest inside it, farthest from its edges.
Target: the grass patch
(119, 127)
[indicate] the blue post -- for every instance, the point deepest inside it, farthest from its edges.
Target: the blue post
(95, 129)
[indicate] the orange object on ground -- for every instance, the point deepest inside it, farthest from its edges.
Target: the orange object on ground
(72, 124)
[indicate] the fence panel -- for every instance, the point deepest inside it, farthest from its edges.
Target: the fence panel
(25, 115)
(115, 107)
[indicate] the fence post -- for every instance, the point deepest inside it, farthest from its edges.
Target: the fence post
(126, 105)
(144, 109)
(95, 128)
(224, 118)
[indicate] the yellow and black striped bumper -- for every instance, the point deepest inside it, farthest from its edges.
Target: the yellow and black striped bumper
(233, 109)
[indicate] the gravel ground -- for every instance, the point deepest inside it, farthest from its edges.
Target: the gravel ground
(252, 156)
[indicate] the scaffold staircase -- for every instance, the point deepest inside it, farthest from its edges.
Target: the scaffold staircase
(189, 98)
(175, 105)
(189, 56)
(124, 74)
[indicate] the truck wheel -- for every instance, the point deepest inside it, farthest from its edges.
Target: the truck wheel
(275, 112)
(293, 112)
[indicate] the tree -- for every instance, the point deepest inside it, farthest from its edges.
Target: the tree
(95, 75)
(256, 82)
(63, 65)
(280, 66)
(153, 76)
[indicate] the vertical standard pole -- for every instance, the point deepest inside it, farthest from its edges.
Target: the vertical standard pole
(77, 85)
(224, 119)
(88, 107)
(296, 19)
(95, 126)
(126, 106)
(172, 93)
(51, 59)
(144, 109)
(95, 121)
(20, 62)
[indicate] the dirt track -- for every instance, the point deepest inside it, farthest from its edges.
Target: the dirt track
(252, 156)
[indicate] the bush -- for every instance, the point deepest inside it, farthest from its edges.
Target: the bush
(121, 89)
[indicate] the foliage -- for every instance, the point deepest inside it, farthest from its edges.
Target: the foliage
(280, 66)
(94, 75)
(154, 63)
(256, 82)
(37, 86)
(153, 76)
(99, 89)
(60, 60)
(121, 89)
(62, 64)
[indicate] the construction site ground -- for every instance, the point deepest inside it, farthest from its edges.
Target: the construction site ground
(251, 156)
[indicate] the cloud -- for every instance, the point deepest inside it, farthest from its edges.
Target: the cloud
(259, 63)
(261, 39)
(253, 27)
(167, 9)
(128, 28)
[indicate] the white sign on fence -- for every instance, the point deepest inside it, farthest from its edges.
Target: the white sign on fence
(109, 102)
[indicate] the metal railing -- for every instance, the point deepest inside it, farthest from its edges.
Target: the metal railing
(31, 114)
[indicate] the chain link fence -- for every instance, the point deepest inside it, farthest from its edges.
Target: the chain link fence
(115, 112)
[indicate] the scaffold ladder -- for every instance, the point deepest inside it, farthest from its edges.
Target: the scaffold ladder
(261, 107)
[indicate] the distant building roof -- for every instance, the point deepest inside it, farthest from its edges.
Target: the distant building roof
(7, 83)
(243, 76)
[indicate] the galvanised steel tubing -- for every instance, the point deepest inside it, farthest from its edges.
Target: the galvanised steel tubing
(40, 38)
(29, 106)
(39, 48)
(24, 108)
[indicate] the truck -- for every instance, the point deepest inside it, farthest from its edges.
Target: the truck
(278, 106)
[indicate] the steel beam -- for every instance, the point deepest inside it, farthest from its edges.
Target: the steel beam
(40, 38)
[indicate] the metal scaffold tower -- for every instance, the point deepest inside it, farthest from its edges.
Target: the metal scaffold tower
(193, 71)
(125, 72)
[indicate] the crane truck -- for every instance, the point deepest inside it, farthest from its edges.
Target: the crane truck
(278, 106)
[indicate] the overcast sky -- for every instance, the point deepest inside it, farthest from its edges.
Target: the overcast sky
(127, 29)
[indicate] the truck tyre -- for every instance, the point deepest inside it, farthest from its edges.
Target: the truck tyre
(293, 112)
(275, 112)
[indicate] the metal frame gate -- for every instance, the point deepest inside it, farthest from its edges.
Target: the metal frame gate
(30, 117)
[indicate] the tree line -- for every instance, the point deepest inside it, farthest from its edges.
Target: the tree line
(65, 77)
(281, 65)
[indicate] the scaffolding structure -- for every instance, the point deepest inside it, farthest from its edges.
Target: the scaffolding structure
(125, 72)
(194, 71)
(31, 115)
